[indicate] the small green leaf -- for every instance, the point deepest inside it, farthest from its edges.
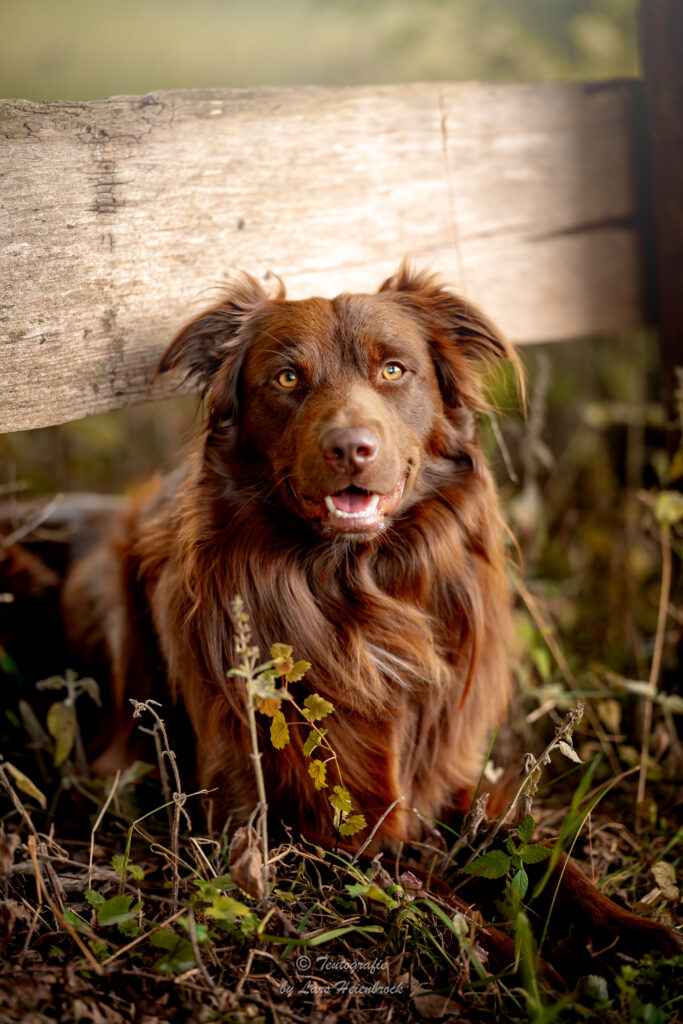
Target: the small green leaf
(178, 956)
(100, 949)
(75, 921)
(520, 883)
(134, 870)
(279, 731)
(221, 882)
(535, 854)
(525, 829)
(493, 864)
(317, 707)
(25, 784)
(341, 799)
(297, 671)
(117, 910)
(95, 899)
(318, 770)
(355, 823)
(200, 930)
(225, 908)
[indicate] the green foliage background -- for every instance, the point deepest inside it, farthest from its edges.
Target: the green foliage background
(87, 49)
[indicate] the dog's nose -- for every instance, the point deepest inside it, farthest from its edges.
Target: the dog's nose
(349, 449)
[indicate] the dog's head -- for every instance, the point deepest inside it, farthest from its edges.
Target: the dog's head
(340, 406)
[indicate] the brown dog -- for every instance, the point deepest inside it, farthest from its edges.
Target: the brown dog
(340, 489)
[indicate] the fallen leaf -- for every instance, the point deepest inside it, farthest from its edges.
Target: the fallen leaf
(665, 876)
(246, 861)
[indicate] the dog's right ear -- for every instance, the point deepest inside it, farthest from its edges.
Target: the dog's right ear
(205, 344)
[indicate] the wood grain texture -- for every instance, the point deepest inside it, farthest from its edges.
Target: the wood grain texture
(119, 218)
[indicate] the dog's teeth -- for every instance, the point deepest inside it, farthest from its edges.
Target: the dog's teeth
(366, 513)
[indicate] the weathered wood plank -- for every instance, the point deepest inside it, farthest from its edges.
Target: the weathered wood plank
(116, 215)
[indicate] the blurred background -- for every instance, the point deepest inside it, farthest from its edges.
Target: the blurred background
(87, 49)
(580, 474)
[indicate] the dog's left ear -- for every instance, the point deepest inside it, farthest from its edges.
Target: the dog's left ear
(462, 339)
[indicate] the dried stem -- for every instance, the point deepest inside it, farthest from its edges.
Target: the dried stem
(31, 523)
(249, 656)
(656, 659)
(367, 842)
(532, 772)
(179, 798)
(99, 822)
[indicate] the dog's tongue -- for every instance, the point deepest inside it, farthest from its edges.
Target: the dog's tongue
(352, 501)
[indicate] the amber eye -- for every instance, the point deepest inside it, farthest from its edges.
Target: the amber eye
(392, 371)
(288, 379)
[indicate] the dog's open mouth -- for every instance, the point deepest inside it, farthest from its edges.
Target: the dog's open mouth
(352, 510)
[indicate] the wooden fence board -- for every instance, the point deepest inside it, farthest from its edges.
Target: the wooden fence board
(115, 215)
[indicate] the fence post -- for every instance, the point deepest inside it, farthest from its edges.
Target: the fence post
(661, 46)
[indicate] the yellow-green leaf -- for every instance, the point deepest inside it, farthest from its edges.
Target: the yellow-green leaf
(298, 671)
(355, 823)
(61, 724)
(269, 706)
(372, 892)
(341, 799)
(316, 707)
(313, 740)
(669, 507)
(318, 770)
(25, 784)
(225, 908)
(282, 658)
(279, 731)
